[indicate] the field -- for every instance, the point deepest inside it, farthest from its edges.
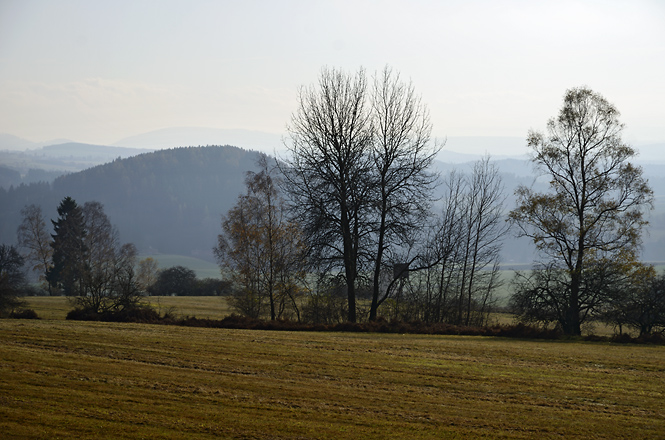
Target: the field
(62, 379)
(210, 307)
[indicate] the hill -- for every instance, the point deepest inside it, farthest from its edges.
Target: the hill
(167, 201)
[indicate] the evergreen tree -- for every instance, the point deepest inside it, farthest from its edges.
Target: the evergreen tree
(69, 249)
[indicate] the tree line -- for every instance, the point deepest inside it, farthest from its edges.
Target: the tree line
(345, 227)
(84, 259)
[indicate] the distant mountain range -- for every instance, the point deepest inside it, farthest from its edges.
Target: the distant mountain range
(171, 201)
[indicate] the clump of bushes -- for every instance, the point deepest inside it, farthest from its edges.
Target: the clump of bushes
(140, 314)
(23, 314)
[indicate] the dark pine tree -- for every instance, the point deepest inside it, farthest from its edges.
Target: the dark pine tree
(69, 250)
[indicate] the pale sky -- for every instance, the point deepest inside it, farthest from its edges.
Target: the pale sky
(99, 71)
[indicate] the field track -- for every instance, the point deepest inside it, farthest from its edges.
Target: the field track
(61, 379)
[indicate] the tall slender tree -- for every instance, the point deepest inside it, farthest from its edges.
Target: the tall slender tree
(35, 241)
(401, 156)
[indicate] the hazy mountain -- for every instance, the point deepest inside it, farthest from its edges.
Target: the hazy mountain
(48, 162)
(201, 136)
(14, 143)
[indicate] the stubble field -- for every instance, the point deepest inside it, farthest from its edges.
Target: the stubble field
(61, 379)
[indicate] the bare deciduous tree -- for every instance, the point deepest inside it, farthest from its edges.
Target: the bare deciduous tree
(328, 172)
(109, 280)
(34, 239)
(461, 258)
(401, 157)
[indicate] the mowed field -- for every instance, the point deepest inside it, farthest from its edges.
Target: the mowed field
(62, 379)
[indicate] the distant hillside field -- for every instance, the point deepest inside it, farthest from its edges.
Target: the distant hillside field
(203, 268)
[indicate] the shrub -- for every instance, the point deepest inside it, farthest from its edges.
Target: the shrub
(24, 314)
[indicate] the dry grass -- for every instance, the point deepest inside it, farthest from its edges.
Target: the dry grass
(65, 379)
(204, 307)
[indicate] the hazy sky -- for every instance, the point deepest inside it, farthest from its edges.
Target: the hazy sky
(99, 71)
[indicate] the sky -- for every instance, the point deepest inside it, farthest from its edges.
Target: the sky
(99, 71)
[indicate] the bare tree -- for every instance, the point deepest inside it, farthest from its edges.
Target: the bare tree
(109, 281)
(328, 172)
(401, 156)
(35, 240)
(146, 274)
(102, 242)
(461, 258)
(594, 211)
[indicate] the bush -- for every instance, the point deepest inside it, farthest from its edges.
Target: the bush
(139, 314)
(24, 314)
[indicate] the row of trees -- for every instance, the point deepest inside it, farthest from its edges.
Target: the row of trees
(358, 202)
(83, 258)
(358, 218)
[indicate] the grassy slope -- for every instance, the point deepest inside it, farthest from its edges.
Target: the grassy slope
(95, 380)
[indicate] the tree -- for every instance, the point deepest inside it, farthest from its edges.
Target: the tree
(102, 245)
(401, 158)
(147, 273)
(109, 282)
(358, 175)
(460, 259)
(262, 248)
(594, 211)
(328, 173)
(638, 303)
(12, 279)
(35, 240)
(69, 250)
(176, 280)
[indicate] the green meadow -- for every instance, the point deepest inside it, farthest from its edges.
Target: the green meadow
(64, 379)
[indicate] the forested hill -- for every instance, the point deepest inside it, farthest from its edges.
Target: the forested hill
(169, 201)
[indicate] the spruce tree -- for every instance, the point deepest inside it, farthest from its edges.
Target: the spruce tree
(69, 249)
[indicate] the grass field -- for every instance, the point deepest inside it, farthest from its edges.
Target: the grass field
(62, 379)
(210, 307)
